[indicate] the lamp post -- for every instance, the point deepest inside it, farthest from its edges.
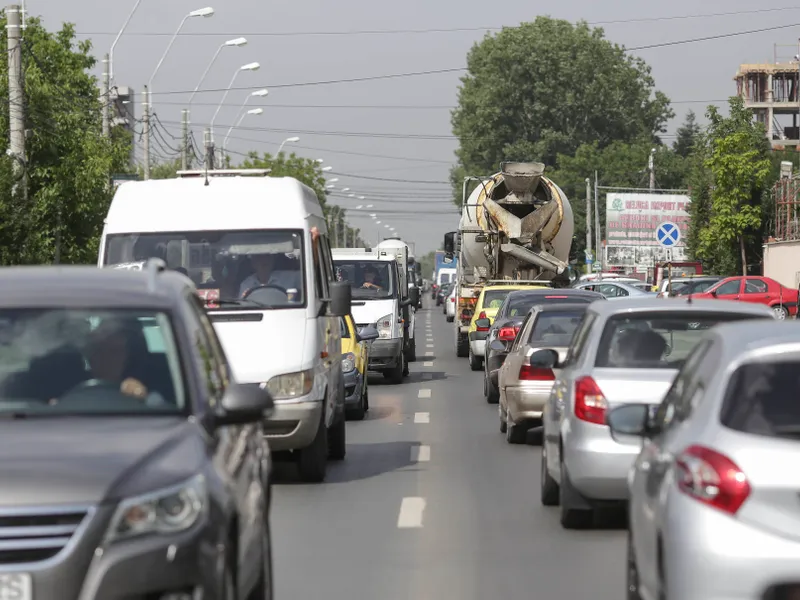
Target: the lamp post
(116, 39)
(263, 93)
(234, 43)
(290, 140)
(326, 169)
(252, 111)
(253, 66)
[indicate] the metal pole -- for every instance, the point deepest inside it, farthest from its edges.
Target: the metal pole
(184, 139)
(146, 126)
(106, 99)
(588, 216)
(16, 110)
(116, 39)
(208, 140)
(651, 168)
(336, 231)
(355, 238)
(597, 236)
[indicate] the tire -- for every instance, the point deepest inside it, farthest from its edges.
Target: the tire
(412, 350)
(462, 349)
(548, 486)
(337, 440)
(450, 319)
(503, 424)
(572, 518)
(780, 312)
(358, 413)
(312, 461)
(229, 588)
(515, 434)
(366, 395)
(263, 589)
(632, 573)
(395, 375)
(475, 362)
(492, 393)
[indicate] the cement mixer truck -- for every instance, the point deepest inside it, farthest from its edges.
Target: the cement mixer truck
(516, 225)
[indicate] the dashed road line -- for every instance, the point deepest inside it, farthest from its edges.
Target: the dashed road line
(422, 417)
(429, 354)
(429, 345)
(428, 363)
(411, 511)
(426, 393)
(420, 454)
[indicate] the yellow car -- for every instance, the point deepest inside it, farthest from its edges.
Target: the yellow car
(489, 302)
(355, 358)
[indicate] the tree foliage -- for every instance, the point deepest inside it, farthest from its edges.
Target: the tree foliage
(546, 88)
(67, 160)
(728, 217)
(686, 135)
(306, 170)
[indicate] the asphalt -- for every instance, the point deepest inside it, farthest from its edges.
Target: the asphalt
(432, 503)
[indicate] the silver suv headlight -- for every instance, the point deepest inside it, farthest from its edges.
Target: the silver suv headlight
(348, 362)
(384, 326)
(291, 385)
(168, 510)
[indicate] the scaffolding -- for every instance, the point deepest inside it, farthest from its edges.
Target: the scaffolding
(786, 210)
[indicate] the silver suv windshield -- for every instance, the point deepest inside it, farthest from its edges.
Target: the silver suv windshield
(233, 270)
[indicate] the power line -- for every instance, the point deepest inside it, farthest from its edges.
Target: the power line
(713, 37)
(433, 30)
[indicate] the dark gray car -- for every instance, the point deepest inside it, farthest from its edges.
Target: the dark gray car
(133, 467)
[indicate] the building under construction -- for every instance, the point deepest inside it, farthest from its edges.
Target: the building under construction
(770, 90)
(781, 257)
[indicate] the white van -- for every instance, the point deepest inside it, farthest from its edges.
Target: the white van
(258, 251)
(377, 299)
(402, 252)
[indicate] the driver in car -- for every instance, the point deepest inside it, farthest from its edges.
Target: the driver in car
(265, 274)
(371, 278)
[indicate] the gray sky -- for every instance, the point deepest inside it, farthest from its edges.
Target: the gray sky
(691, 75)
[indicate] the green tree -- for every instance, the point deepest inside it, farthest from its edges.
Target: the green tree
(68, 163)
(306, 170)
(686, 135)
(164, 170)
(545, 88)
(738, 162)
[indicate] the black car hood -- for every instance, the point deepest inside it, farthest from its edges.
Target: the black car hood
(82, 461)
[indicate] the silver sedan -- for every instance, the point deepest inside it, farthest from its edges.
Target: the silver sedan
(714, 510)
(615, 289)
(623, 352)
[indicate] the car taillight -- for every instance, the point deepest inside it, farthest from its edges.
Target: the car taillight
(529, 373)
(590, 403)
(712, 478)
(507, 334)
(466, 315)
(453, 300)
(482, 315)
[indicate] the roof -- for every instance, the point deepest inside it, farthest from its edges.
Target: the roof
(517, 286)
(555, 292)
(576, 306)
(226, 203)
(745, 337)
(649, 304)
(84, 287)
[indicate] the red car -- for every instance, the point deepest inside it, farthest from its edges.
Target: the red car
(762, 290)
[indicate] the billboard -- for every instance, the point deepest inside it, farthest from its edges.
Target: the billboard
(631, 223)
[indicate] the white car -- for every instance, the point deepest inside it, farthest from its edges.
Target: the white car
(450, 305)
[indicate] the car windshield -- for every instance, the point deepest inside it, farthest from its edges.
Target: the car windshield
(555, 328)
(369, 279)
(233, 270)
(759, 399)
(659, 340)
(94, 362)
(494, 298)
(520, 306)
(694, 287)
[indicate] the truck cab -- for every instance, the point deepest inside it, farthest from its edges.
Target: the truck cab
(410, 298)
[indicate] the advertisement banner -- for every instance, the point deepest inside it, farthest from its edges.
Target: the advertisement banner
(632, 219)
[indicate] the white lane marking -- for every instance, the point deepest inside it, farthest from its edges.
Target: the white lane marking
(429, 354)
(411, 509)
(429, 345)
(428, 364)
(424, 394)
(420, 454)
(422, 417)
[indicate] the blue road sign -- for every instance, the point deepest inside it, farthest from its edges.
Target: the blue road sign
(668, 234)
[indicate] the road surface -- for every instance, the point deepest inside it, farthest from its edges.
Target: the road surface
(431, 503)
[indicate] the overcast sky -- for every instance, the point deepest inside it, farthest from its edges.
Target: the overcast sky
(346, 124)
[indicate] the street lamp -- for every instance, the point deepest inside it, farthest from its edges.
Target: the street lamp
(345, 190)
(200, 12)
(230, 43)
(334, 180)
(253, 66)
(330, 187)
(288, 140)
(318, 160)
(252, 111)
(327, 169)
(262, 93)
(116, 39)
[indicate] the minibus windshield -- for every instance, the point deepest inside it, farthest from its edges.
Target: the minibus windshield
(233, 270)
(369, 279)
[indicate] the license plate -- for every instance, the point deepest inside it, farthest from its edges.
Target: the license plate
(16, 586)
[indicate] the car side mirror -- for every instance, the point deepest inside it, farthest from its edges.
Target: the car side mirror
(413, 295)
(630, 419)
(546, 358)
(368, 333)
(244, 404)
(483, 323)
(497, 346)
(341, 299)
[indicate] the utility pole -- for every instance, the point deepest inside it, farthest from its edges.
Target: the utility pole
(208, 141)
(597, 245)
(651, 167)
(16, 100)
(106, 99)
(146, 125)
(588, 215)
(336, 231)
(185, 139)
(355, 238)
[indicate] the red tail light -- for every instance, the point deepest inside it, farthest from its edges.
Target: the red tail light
(466, 316)
(712, 478)
(453, 300)
(507, 334)
(482, 315)
(529, 373)
(590, 403)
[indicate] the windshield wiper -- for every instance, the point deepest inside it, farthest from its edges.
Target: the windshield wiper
(237, 302)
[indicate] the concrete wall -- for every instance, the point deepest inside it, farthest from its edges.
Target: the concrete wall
(782, 262)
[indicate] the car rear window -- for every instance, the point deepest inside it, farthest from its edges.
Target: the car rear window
(760, 400)
(555, 328)
(494, 298)
(521, 306)
(655, 340)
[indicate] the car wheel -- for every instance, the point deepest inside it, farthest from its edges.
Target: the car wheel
(366, 395)
(412, 350)
(515, 434)
(503, 424)
(632, 571)
(229, 589)
(475, 362)
(395, 375)
(312, 461)
(780, 312)
(572, 518)
(492, 393)
(548, 485)
(263, 589)
(357, 413)
(337, 440)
